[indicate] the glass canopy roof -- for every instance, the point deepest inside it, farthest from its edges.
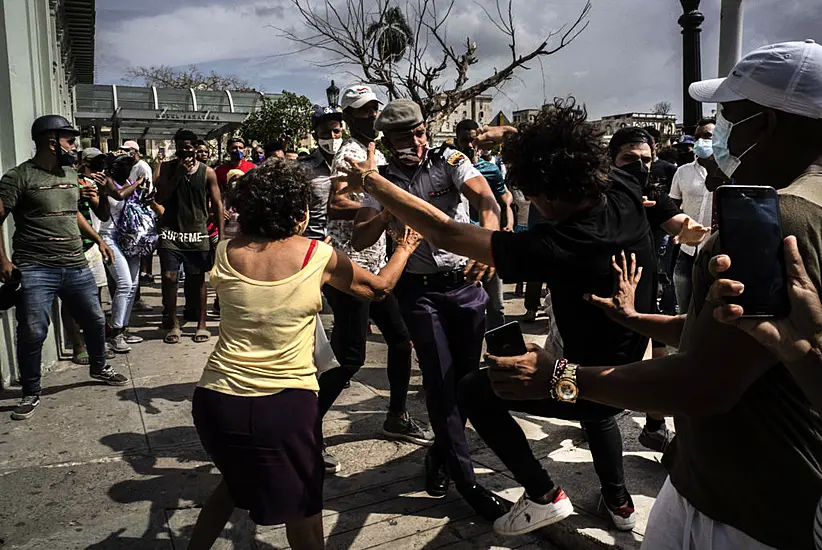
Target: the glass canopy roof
(157, 113)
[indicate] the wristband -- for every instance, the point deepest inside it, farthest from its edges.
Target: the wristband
(366, 174)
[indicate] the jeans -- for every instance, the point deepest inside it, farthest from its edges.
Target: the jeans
(683, 271)
(495, 314)
(348, 340)
(126, 274)
(491, 418)
(447, 327)
(78, 291)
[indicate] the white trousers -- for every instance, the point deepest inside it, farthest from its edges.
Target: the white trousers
(676, 525)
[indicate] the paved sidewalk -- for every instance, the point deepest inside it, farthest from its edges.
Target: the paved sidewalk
(100, 467)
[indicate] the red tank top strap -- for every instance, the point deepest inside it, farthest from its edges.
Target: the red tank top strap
(311, 248)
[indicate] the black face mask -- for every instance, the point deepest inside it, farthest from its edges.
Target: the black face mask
(685, 157)
(638, 170)
(363, 128)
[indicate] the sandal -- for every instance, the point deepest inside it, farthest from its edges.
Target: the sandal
(173, 336)
(80, 358)
(202, 335)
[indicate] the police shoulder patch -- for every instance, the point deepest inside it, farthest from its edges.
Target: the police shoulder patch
(456, 159)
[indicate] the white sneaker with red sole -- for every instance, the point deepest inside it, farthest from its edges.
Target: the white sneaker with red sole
(623, 518)
(527, 515)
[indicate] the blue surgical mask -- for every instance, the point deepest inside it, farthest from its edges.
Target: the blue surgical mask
(703, 148)
(727, 162)
(237, 155)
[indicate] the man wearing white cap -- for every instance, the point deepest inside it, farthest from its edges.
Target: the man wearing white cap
(141, 167)
(745, 468)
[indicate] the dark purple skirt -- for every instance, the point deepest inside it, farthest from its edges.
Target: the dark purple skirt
(267, 449)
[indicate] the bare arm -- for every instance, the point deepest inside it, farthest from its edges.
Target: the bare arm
(479, 194)
(340, 206)
(369, 225)
(122, 193)
(6, 266)
(347, 276)
(507, 206)
(216, 201)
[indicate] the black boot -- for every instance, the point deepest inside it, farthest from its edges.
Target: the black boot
(436, 478)
(486, 504)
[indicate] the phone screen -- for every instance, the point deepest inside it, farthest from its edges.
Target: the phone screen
(750, 232)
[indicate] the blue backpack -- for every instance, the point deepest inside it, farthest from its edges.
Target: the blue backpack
(136, 228)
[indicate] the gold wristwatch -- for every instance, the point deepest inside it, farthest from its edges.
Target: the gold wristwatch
(566, 389)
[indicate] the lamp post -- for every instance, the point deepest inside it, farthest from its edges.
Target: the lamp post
(690, 21)
(332, 93)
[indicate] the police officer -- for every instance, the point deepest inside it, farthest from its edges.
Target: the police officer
(444, 311)
(42, 194)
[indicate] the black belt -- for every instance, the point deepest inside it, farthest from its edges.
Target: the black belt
(443, 279)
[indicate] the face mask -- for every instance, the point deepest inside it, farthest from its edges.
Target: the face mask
(703, 148)
(363, 128)
(638, 170)
(408, 155)
(722, 133)
(237, 155)
(330, 146)
(67, 158)
(259, 158)
(685, 157)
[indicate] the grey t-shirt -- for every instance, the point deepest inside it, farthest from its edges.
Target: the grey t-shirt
(439, 181)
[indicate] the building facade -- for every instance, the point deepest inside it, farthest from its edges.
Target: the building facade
(524, 115)
(477, 109)
(666, 124)
(46, 47)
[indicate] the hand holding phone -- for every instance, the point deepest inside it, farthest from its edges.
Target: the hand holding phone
(506, 341)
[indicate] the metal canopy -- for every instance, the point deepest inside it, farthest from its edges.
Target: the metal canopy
(157, 113)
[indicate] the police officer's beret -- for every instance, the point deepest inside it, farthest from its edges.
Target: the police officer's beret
(399, 115)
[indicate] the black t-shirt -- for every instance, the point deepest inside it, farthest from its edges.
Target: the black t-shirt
(663, 173)
(574, 258)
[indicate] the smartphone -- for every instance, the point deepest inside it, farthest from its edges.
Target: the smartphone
(161, 151)
(750, 232)
(506, 341)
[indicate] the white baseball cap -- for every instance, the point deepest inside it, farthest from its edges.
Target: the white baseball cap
(356, 96)
(785, 76)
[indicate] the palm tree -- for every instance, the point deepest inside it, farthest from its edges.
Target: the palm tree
(393, 35)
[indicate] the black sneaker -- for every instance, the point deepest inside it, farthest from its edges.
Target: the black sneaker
(332, 465)
(657, 440)
(403, 427)
(110, 376)
(486, 504)
(26, 407)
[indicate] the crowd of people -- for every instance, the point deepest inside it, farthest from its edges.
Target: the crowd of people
(419, 240)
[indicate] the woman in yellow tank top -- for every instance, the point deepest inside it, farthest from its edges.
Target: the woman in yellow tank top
(255, 407)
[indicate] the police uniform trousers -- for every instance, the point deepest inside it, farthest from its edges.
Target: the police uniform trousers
(446, 318)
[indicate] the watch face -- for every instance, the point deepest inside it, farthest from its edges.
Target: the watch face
(566, 390)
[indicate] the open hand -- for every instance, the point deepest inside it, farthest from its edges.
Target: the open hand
(523, 377)
(356, 170)
(621, 304)
(408, 238)
(692, 233)
(477, 271)
(789, 339)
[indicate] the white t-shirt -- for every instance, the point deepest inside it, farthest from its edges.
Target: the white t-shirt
(142, 169)
(689, 187)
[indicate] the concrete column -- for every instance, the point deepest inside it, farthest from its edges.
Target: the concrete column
(730, 35)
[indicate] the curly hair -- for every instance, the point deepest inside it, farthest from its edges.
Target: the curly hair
(271, 200)
(559, 155)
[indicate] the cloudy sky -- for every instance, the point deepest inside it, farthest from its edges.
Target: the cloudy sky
(628, 59)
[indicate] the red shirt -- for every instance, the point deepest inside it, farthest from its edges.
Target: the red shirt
(222, 171)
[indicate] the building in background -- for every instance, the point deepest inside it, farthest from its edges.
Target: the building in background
(47, 47)
(524, 115)
(666, 124)
(478, 109)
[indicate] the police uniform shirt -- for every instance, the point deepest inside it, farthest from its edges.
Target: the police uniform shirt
(320, 172)
(438, 181)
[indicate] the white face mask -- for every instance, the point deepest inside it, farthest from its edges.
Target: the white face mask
(330, 146)
(727, 162)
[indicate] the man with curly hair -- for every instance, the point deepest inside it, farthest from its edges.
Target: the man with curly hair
(560, 163)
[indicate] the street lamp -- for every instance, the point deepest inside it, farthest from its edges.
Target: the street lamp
(332, 93)
(690, 21)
